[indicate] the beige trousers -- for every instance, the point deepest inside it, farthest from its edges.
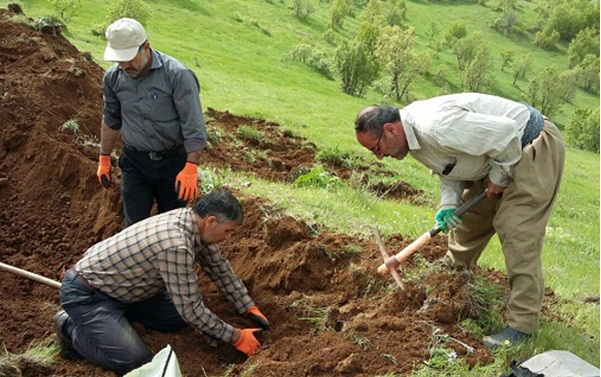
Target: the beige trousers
(519, 218)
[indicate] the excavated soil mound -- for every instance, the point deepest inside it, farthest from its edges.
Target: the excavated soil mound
(331, 313)
(254, 145)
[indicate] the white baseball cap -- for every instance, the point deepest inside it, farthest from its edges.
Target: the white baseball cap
(124, 36)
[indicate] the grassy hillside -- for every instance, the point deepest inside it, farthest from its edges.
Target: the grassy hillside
(240, 51)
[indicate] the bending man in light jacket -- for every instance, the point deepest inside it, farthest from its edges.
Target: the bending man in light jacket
(473, 141)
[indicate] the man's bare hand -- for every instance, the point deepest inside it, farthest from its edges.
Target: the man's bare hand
(494, 191)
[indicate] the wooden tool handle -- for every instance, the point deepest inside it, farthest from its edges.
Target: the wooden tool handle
(30, 275)
(394, 261)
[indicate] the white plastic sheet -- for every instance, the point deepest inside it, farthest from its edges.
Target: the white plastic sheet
(560, 364)
(163, 364)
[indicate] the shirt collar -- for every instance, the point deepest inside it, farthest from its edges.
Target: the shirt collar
(406, 123)
(156, 60)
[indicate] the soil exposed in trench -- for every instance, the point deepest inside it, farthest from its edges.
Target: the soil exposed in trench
(331, 313)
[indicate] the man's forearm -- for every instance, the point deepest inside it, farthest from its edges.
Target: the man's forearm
(108, 138)
(194, 157)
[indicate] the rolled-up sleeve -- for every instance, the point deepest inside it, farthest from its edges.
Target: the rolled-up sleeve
(186, 97)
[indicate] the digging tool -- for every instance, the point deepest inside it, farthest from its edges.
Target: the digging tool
(393, 271)
(391, 263)
(30, 275)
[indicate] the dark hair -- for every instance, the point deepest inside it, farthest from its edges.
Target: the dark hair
(221, 204)
(373, 118)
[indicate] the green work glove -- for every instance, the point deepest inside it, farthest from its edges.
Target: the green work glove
(447, 219)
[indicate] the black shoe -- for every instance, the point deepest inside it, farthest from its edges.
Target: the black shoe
(505, 338)
(64, 342)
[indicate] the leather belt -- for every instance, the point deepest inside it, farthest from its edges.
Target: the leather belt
(81, 279)
(158, 156)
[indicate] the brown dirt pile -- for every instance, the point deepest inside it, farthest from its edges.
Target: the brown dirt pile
(331, 314)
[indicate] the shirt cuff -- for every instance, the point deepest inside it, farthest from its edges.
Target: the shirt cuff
(450, 193)
(498, 177)
(193, 145)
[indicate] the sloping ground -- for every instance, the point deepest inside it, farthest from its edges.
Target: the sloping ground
(331, 314)
(261, 147)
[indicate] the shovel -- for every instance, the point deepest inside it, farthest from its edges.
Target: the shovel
(391, 263)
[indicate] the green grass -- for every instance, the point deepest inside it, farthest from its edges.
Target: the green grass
(240, 52)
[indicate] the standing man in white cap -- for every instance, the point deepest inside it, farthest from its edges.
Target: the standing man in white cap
(152, 101)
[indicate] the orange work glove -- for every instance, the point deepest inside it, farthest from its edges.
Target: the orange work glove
(247, 343)
(254, 314)
(104, 170)
(186, 182)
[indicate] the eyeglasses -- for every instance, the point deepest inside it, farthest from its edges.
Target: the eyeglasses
(376, 149)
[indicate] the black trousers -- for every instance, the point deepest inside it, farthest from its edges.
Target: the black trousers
(144, 181)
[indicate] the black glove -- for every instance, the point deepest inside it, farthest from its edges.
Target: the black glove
(254, 314)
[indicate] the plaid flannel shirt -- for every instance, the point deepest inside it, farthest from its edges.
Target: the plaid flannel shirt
(159, 253)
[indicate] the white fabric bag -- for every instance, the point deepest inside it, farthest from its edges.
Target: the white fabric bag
(560, 364)
(163, 364)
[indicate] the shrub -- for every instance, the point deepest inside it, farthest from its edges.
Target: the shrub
(136, 9)
(314, 58)
(65, 8)
(546, 38)
(318, 177)
(583, 129)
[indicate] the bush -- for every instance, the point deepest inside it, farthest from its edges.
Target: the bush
(583, 130)
(136, 9)
(65, 8)
(314, 58)
(546, 39)
(318, 177)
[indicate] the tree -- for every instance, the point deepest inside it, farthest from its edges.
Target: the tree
(474, 62)
(567, 17)
(302, 8)
(354, 66)
(477, 75)
(522, 67)
(510, 18)
(136, 9)
(570, 79)
(547, 38)
(433, 31)
(586, 42)
(506, 59)
(548, 91)
(589, 73)
(453, 33)
(395, 12)
(583, 129)
(507, 5)
(466, 49)
(373, 12)
(395, 54)
(338, 11)
(66, 8)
